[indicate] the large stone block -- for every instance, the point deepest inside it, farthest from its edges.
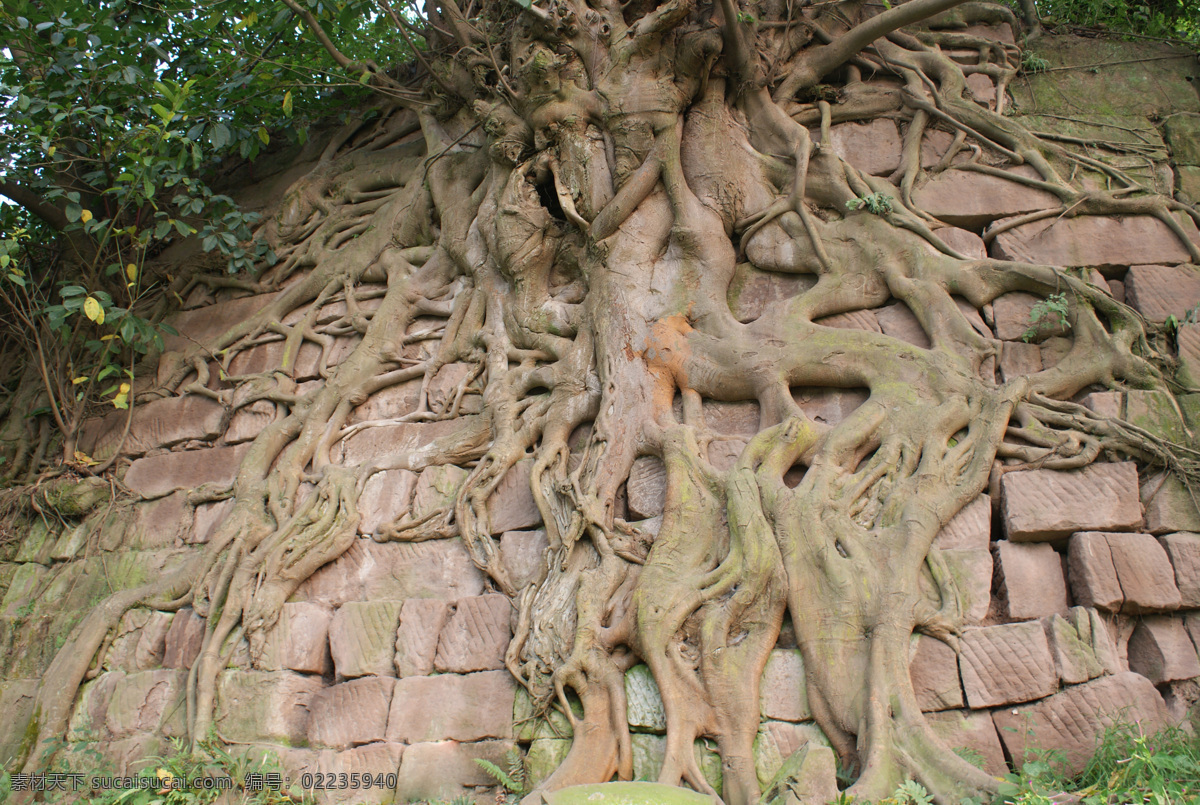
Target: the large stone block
(1093, 577)
(183, 640)
(1006, 664)
(1018, 359)
(650, 752)
(1015, 318)
(643, 701)
(374, 759)
(265, 706)
(18, 699)
(362, 638)
(441, 771)
(871, 147)
(89, 719)
(249, 421)
(470, 707)
(899, 322)
(1071, 722)
(476, 635)
(777, 741)
(1170, 506)
(351, 713)
(140, 641)
(852, 320)
(389, 403)
(522, 553)
(1161, 650)
(1040, 505)
(647, 487)
(159, 523)
(970, 570)
(1144, 573)
(203, 324)
(1158, 292)
(437, 488)
(385, 498)
(1031, 583)
(1156, 412)
(156, 476)
(970, 529)
(933, 669)
(298, 642)
(148, 701)
(421, 622)
(1093, 240)
(394, 571)
(974, 731)
(208, 518)
(160, 423)
(751, 290)
(829, 406)
(1082, 647)
(784, 694)
(1183, 549)
(374, 444)
(544, 756)
(511, 505)
(971, 200)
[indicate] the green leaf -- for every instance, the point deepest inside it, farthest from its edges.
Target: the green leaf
(163, 112)
(73, 212)
(263, 135)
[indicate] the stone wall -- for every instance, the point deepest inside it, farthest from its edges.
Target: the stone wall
(1080, 590)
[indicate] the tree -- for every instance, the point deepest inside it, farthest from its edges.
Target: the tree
(560, 194)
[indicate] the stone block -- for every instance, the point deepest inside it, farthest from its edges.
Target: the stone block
(140, 641)
(1006, 664)
(470, 707)
(613, 793)
(184, 639)
(982, 89)
(394, 571)
(1182, 132)
(265, 706)
(1144, 573)
(972, 200)
(1156, 412)
(751, 290)
(441, 771)
(650, 751)
(389, 403)
(826, 405)
(1082, 647)
(1093, 577)
(207, 519)
(157, 476)
(970, 529)
(374, 759)
(1014, 317)
(511, 505)
(852, 320)
(1105, 403)
(385, 498)
(963, 241)
(1183, 549)
(899, 322)
(530, 722)
(89, 718)
(249, 421)
(647, 487)
(1170, 507)
(1102, 241)
(443, 388)
(1044, 505)
(808, 775)
(203, 324)
(351, 713)
(18, 699)
(1071, 722)
(148, 701)
(963, 729)
(476, 635)
(777, 741)
(522, 553)
(1030, 578)
(437, 488)
(873, 147)
(933, 669)
(130, 755)
(971, 572)
(1161, 650)
(1187, 339)
(421, 622)
(643, 702)
(783, 694)
(160, 423)
(1161, 291)
(374, 444)
(544, 756)
(362, 638)
(1018, 359)
(299, 641)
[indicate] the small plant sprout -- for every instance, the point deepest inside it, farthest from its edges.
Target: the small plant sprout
(1050, 312)
(876, 203)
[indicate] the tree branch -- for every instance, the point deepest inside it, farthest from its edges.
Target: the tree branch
(34, 203)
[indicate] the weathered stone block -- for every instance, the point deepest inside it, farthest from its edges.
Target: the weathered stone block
(438, 772)
(871, 147)
(1182, 132)
(1161, 291)
(156, 476)
(1093, 240)
(394, 571)
(437, 487)
(783, 694)
(647, 487)
(963, 729)
(140, 641)
(183, 640)
(829, 406)
(511, 505)
(1187, 339)
(362, 638)
(443, 387)
(1031, 583)
(89, 719)
(265, 706)
(1170, 507)
(1144, 573)
(389, 403)
(971, 200)
(389, 440)
(476, 635)
(933, 669)
(1105, 403)
(1082, 647)
(207, 520)
(852, 320)
(899, 322)
(808, 775)
(1014, 317)
(470, 707)
(298, 642)
(522, 553)
(1161, 650)
(1040, 505)
(650, 751)
(1071, 722)
(148, 701)
(161, 423)
(205, 323)
(17, 702)
(1093, 576)
(971, 572)
(1018, 359)
(351, 713)
(384, 499)
(1183, 549)
(970, 529)
(529, 722)
(1006, 664)
(777, 741)
(159, 523)
(249, 421)
(751, 290)
(544, 756)
(421, 622)
(373, 759)
(643, 702)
